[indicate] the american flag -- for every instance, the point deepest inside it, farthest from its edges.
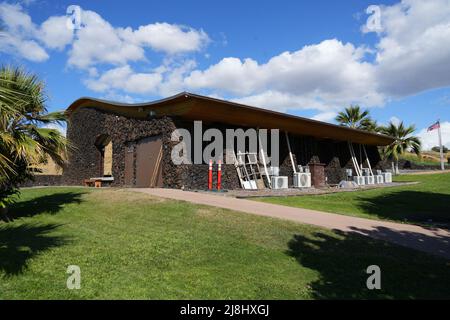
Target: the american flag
(434, 126)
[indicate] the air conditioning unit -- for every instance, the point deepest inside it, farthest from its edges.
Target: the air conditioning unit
(349, 173)
(379, 179)
(302, 180)
(359, 180)
(369, 180)
(387, 177)
(279, 182)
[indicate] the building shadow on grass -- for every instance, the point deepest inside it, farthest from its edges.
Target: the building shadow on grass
(341, 260)
(409, 206)
(20, 243)
(51, 204)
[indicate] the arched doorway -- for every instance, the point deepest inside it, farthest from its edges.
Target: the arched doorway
(105, 147)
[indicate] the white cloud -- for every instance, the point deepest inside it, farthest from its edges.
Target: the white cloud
(413, 54)
(328, 74)
(15, 19)
(167, 37)
(325, 116)
(395, 120)
(173, 75)
(430, 139)
(114, 96)
(55, 34)
(96, 42)
(19, 34)
(99, 42)
(284, 102)
(28, 49)
(56, 126)
(125, 79)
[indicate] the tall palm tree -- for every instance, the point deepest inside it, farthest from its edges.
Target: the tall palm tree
(404, 140)
(24, 142)
(354, 117)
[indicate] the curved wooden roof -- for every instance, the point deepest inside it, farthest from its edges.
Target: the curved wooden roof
(192, 107)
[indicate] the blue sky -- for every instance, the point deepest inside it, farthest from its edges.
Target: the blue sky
(309, 58)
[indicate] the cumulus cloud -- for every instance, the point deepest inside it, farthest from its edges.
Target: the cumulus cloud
(98, 41)
(20, 33)
(396, 121)
(284, 102)
(55, 34)
(125, 79)
(325, 116)
(62, 128)
(125, 98)
(330, 73)
(166, 37)
(413, 54)
(430, 139)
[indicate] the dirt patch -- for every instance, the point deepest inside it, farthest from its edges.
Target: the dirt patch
(122, 195)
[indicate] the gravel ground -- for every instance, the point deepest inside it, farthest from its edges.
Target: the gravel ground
(239, 193)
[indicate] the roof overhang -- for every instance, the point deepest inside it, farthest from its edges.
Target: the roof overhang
(192, 107)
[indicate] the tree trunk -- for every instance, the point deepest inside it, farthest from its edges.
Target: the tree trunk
(396, 168)
(4, 214)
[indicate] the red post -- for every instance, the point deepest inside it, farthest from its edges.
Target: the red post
(210, 175)
(219, 174)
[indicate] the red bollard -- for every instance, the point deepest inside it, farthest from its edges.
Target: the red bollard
(219, 174)
(210, 176)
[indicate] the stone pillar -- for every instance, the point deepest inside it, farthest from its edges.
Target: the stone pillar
(317, 174)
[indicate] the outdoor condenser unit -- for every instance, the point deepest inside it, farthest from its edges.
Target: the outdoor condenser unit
(302, 180)
(379, 179)
(387, 177)
(349, 173)
(279, 182)
(369, 179)
(359, 180)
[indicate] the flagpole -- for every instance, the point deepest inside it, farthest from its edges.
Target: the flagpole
(441, 149)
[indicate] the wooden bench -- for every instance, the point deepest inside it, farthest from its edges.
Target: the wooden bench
(97, 182)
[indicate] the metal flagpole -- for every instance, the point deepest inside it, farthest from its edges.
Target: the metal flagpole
(441, 147)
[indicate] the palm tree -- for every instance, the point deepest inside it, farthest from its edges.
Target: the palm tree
(24, 143)
(354, 117)
(404, 140)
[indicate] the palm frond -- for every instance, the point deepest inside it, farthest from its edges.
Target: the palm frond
(23, 143)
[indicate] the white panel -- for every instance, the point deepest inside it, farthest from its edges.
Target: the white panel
(359, 180)
(280, 182)
(379, 179)
(302, 180)
(369, 179)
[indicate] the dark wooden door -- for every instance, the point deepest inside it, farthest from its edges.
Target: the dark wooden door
(148, 162)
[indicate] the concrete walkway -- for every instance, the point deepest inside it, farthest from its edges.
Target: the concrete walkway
(432, 240)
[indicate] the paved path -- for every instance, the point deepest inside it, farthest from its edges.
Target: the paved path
(431, 240)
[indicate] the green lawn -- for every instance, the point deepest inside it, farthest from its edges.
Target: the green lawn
(129, 245)
(423, 203)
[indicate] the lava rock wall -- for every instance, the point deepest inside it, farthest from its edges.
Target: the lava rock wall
(86, 125)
